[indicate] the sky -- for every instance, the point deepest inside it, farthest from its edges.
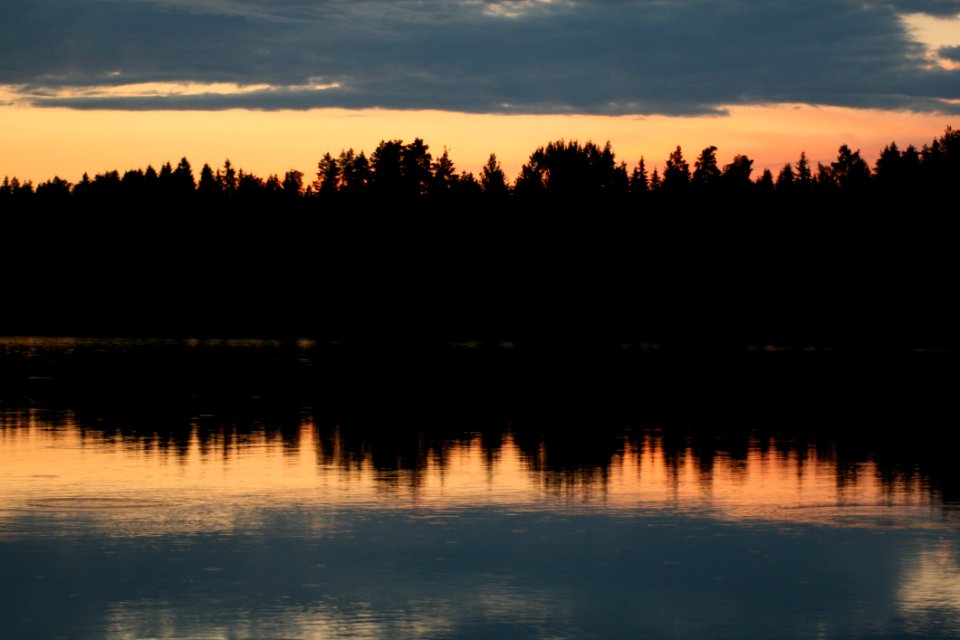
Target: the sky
(93, 85)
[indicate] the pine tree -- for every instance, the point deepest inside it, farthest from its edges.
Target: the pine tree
(804, 174)
(706, 173)
(492, 180)
(785, 179)
(676, 173)
(639, 183)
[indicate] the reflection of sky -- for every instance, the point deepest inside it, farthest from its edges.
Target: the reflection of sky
(225, 518)
(263, 541)
(478, 572)
(929, 593)
(223, 486)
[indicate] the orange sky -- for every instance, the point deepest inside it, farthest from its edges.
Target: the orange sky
(37, 144)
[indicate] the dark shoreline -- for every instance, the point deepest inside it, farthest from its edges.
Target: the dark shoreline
(706, 288)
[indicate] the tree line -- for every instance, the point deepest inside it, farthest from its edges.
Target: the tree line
(578, 249)
(399, 171)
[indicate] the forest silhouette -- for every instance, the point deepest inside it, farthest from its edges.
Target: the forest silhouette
(400, 246)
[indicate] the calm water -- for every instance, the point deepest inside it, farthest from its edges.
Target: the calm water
(266, 490)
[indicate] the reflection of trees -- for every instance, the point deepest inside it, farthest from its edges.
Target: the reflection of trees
(166, 397)
(367, 413)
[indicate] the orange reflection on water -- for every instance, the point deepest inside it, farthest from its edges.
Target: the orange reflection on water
(213, 482)
(767, 484)
(929, 593)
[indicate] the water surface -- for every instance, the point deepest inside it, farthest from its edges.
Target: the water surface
(280, 490)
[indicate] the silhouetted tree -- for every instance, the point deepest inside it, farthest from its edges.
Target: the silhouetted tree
(272, 187)
(106, 189)
(785, 180)
(824, 182)
(151, 181)
(444, 177)
(293, 184)
(676, 173)
(529, 184)
(765, 186)
(183, 183)
(249, 187)
(639, 183)
(910, 166)
(328, 176)
(208, 188)
(133, 187)
(572, 170)
(655, 183)
(83, 190)
(619, 184)
(467, 188)
(415, 161)
(22, 192)
(228, 178)
(166, 181)
(804, 174)
(355, 173)
(887, 167)
(53, 194)
(896, 174)
(6, 193)
(941, 161)
(492, 180)
(386, 169)
(706, 174)
(850, 171)
(736, 176)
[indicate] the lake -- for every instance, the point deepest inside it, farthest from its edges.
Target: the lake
(300, 489)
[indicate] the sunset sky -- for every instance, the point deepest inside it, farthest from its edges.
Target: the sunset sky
(273, 84)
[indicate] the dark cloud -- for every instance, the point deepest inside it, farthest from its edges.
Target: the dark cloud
(586, 56)
(942, 8)
(950, 53)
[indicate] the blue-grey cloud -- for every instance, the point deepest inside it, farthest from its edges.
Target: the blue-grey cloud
(942, 8)
(950, 53)
(532, 56)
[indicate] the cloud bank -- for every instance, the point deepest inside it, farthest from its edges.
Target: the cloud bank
(507, 56)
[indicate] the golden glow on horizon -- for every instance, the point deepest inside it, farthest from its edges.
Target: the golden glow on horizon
(39, 144)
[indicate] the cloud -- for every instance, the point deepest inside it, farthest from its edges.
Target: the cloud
(950, 53)
(942, 8)
(509, 56)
